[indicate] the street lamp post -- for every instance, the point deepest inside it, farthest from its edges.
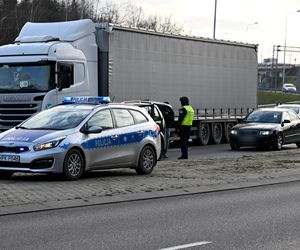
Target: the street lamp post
(284, 46)
(215, 20)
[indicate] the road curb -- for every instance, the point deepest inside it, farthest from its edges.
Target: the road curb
(75, 203)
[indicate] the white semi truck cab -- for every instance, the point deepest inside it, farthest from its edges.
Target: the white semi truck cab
(47, 62)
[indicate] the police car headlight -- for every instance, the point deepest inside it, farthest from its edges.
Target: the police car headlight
(264, 132)
(233, 132)
(49, 144)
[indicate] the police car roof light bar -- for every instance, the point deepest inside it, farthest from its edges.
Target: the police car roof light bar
(87, 99)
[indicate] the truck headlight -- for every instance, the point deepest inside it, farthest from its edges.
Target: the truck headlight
(233, 132)
(264, 132)
(47, 145)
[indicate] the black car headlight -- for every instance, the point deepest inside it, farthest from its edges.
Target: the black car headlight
(233, 132)
(49, 144)
(265, 132)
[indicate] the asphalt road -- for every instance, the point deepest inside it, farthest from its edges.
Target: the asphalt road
(253, 218)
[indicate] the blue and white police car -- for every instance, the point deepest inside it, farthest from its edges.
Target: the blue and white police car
(80, 135)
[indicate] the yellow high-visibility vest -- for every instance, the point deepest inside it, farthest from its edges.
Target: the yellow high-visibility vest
(189, 117)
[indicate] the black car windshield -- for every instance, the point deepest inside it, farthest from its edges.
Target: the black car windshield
(264, 116)
(296, 109)
(56, 119)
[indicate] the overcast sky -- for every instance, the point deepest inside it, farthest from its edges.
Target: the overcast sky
(236, 21)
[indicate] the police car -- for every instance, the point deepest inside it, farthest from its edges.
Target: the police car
(80, 135)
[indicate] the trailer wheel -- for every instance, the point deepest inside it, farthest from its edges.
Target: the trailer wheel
(234, 146)
(227, 127)
(6, 174)
(204, 133)
(217, 132)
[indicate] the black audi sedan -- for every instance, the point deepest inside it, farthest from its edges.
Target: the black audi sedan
(268, 127)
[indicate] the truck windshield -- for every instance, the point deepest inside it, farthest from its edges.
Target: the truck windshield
(25, 78)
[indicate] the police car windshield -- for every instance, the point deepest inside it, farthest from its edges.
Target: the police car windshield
(56, 119)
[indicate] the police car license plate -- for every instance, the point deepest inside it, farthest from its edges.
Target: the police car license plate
(10, 158)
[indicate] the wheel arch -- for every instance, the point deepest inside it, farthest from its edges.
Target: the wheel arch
(138, 155)
(82, 153)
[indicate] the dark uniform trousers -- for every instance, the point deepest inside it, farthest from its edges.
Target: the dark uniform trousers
(184, 140)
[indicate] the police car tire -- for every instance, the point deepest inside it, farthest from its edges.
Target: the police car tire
(6, 174)
(147, 160)
(74, 156)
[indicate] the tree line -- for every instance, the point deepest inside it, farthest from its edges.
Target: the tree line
(15, 13)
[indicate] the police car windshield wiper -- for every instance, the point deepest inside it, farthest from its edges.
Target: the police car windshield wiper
(46, 128)
(17, 127)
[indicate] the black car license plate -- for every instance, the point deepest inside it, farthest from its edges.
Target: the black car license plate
(10, 158)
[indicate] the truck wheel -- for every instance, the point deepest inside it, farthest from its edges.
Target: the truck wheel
(147, 160)
(73, 165)
(6, 174)
(204, 133)
(278, 141)
(227, 127)
(217, 132)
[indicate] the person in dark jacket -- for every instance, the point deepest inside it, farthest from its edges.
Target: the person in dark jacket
(168, 115)
(185, 122)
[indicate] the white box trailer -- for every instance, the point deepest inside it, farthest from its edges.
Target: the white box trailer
(212, 73)
(80, 58)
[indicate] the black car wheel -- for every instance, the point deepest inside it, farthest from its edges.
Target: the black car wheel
(73, 165)
(147, 161)
(6, 174)
(234, 146)
(278, 142)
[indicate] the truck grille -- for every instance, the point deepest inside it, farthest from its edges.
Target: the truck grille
(13, 114)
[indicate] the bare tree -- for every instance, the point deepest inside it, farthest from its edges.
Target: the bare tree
(134, 16)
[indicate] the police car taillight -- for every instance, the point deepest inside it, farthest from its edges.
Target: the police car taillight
(157, 128)
(87, 99)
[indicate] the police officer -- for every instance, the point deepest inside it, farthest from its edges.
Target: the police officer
(185, 121)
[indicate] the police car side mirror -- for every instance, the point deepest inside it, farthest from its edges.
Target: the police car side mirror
(92, 130)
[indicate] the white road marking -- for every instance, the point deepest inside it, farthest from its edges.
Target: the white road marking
(187, 245)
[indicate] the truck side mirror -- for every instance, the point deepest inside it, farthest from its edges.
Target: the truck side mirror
(64, 76)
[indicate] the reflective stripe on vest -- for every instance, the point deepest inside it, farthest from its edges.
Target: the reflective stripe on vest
(189, 117)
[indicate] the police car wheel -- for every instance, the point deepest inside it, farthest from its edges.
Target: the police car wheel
(73, 165)
(147, 160)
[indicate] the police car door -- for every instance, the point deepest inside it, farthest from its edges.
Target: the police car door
(128, 135)
(101, 148)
